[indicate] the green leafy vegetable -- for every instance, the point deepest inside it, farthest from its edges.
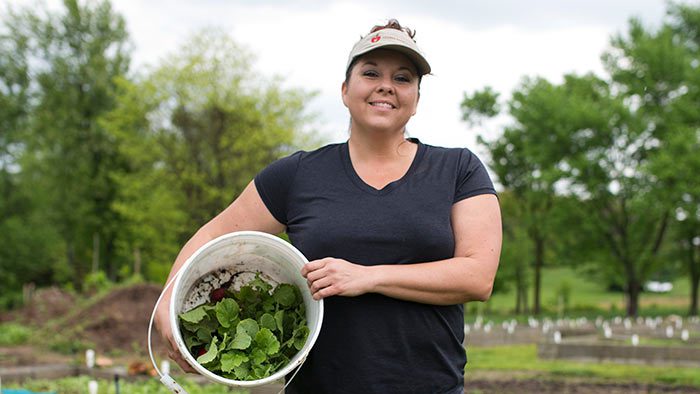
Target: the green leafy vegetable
(210, 355)
(227, 312)
(248, 334)
(195, 315)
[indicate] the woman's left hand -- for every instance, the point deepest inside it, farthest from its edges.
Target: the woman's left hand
(330, 276)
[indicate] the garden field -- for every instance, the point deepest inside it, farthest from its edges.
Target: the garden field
(114, 323)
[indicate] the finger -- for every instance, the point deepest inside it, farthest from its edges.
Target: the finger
(180, 360)
(313, 266)
(175, 355)
(313, 276)
(326, 292)
(320, 284)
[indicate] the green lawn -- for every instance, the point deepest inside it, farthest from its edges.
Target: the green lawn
(586, 297)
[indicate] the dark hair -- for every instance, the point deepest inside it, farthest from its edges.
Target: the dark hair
(391, 24)
(394, 24)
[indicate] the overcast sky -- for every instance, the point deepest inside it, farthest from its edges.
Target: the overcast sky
(470, 44)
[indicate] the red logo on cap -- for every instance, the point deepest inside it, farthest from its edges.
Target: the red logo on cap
(375, 39)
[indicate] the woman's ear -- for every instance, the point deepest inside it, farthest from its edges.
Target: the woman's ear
(415, 109)
(344, 92)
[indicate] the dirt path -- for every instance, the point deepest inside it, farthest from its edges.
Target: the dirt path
(513, 386)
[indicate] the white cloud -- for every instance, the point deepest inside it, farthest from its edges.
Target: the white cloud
(469, 44)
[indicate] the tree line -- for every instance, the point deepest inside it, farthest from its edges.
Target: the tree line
(105, 170)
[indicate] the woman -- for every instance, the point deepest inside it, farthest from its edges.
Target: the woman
(399, 234)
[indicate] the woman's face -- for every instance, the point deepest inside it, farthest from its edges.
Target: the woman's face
(382, 91)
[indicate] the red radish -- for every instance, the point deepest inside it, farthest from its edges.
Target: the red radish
(218, 294)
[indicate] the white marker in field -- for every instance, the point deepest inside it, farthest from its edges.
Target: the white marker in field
(635, 340)
(92, 387)
(685, 335)
(557, 337)
(607, 331)
(669, 331)
(90, 358)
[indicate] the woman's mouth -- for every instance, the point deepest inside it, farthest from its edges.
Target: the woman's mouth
(382, 104)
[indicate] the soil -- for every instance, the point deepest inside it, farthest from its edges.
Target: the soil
(119, 321)
(114, 325)
(513, 386)
(45, 304)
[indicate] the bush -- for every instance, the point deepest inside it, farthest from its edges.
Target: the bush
(14, 334)
(96, 282)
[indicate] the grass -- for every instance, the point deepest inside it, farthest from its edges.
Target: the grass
(587, 297)
(523, 358)
(79, 385)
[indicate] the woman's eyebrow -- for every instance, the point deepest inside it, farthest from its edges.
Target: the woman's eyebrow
(372, 63)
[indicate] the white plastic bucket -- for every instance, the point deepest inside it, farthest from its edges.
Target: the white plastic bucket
(246, 251)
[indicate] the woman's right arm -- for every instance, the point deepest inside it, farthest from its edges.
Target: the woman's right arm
(247, 212)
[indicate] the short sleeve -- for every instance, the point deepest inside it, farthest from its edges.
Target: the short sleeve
(274, 182)
(472, 179)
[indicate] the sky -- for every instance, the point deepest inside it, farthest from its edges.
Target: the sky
(470, 44)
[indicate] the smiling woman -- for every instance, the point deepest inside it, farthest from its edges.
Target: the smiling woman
(398, 234)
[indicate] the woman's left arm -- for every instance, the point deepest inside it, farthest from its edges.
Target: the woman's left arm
(468, 276)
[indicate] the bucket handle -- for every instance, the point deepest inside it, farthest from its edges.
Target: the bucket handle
(168, 381)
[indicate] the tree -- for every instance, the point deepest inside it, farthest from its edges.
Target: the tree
(513, 267)
(26, 242)
(657, 73)
(195, 131)
(626, 147)
(524, 159)
(68, 61)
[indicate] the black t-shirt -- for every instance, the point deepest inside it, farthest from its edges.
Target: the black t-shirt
(373, 343)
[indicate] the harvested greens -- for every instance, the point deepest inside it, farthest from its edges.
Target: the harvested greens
(247, 334)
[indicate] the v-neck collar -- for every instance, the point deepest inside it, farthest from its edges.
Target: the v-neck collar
(355, 178)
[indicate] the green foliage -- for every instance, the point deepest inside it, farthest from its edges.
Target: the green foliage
(250, 333)
(513, 273)
(64, 63)
(105, 169)
(96, 281)
(657, 71)
(483, 103)
(66, 344)
(196, 130)
(612, 159)
(12, 334)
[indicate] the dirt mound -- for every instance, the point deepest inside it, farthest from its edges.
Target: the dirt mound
(43, 305)
(118, 322)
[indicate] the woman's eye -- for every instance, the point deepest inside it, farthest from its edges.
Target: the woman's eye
(370, 73)
(402, 78)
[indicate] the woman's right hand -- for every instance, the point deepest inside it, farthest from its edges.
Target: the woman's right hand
(162, 322)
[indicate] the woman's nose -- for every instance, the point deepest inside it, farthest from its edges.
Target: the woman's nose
(385, 86)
